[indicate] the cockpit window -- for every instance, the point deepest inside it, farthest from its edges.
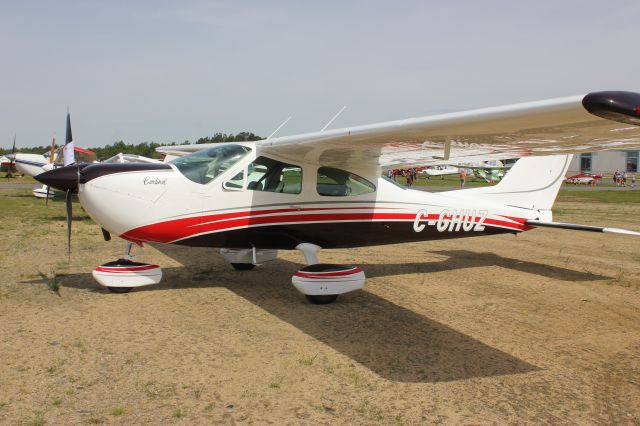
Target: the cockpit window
(205, 165)
(267, 174)
(340, 183)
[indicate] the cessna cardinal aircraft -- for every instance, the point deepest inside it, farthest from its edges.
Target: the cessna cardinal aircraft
(325, 189)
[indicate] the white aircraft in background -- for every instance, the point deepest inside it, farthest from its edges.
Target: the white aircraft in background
(491, 171)
(7, 162)
(325, 189)
(35, 164)
(6, 165)
(440, 170)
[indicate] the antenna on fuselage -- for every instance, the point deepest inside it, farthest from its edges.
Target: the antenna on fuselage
(279, 127)
(334, 117)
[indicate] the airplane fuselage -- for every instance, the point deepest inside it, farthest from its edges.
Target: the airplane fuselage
(165, 206)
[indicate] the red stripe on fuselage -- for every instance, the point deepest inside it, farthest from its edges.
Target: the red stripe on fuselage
(176, 229)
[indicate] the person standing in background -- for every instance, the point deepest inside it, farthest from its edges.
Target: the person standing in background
(463, 177)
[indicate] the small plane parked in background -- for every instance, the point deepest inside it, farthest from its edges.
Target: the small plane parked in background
(490, 171)
(325, 189)
(583, 177)
(35, 164)
(7, 166)
(7, 162)
(440, 170)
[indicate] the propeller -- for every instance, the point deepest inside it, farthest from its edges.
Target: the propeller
(69, 202)
(66, 179)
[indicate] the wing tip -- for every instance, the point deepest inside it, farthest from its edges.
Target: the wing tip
(620, 106)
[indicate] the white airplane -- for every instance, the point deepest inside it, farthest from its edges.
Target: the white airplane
(324, 189)
(7, 163)
(35, 164)
(441, 170)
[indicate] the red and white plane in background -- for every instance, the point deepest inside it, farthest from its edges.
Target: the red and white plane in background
(325, 189)
(583, 177)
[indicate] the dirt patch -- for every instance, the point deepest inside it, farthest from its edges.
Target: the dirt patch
(539, 328)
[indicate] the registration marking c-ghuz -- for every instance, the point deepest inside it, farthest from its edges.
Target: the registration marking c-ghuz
(453, 220)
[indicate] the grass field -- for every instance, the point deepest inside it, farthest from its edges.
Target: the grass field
(539, 328)
(454, 181)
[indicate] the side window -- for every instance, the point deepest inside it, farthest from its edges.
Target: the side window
(266, 174)
(235, 183)
(340, 183)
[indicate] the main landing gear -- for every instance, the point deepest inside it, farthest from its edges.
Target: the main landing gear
(322, 283)
(122, 275)
(247, 259)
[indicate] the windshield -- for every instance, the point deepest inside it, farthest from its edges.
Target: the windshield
(205, 165)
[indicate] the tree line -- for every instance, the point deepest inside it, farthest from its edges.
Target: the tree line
(146, 149)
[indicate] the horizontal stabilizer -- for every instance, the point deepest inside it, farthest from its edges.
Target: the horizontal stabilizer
(581, 227)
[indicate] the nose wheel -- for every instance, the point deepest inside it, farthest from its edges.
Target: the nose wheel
(122, 275)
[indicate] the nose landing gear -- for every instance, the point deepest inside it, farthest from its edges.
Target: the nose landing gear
(122, 275)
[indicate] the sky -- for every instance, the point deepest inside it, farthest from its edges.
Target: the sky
(169, 71)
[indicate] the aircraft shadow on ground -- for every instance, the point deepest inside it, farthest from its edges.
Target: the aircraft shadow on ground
(460, 259)
(392, 341)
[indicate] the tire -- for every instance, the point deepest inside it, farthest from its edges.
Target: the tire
(324, 299)
(243, 266)
(120, 290)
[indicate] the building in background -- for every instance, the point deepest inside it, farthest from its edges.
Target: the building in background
(605, 162)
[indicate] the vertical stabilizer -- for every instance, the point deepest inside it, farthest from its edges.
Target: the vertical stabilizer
(532, 183)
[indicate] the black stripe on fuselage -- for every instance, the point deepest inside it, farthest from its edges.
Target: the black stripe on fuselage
(330, 235)
(98, 170)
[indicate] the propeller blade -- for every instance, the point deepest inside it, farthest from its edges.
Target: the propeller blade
(68, 149)
(68, 201)
(106, 235)
(69, 136)
(46, 203)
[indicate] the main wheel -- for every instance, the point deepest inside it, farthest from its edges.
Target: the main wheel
(324, 299)
(120, 290)
(243, 266)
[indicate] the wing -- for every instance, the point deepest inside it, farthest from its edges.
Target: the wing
(594, 122)
(130, 158)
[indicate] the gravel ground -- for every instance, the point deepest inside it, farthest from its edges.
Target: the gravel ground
(539, 328)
